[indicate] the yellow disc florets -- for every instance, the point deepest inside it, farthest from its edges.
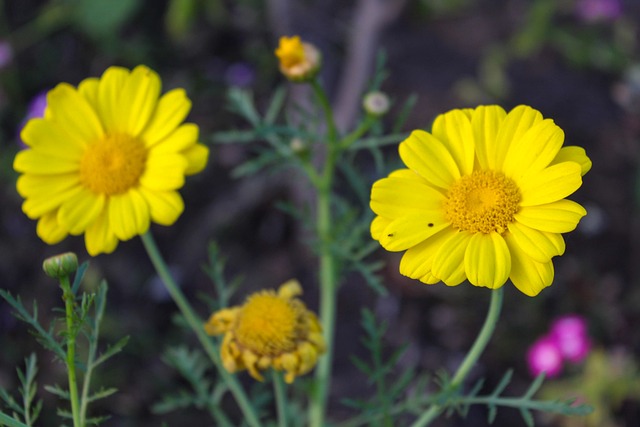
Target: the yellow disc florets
(270, 330)
(482, 202)
(113, 165)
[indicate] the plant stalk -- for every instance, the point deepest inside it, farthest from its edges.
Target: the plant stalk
(68, 297)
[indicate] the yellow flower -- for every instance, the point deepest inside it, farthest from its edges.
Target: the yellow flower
(299, 61)
(107, 158)
(269, 330)
(483, 199)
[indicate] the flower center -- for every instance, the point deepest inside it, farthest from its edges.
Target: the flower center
(268, 324)
(482, 202)
(113, 165)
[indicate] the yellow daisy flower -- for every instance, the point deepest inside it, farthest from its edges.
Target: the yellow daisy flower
(299, 61)
(107, 158)
(269, 330)
(482, 198)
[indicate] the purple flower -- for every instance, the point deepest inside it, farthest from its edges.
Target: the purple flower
(545, 356)
(239, 74)
(598, 10)
(570, 335)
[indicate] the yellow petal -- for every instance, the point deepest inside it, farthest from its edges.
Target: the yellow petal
(486, 122)
(551, 184)
(487, 260)
(38, 162)
(128, 214)
(455, 131)
(409, 230)
(70, 110)
(393, 197)
(418, 260)
(534, 150)
(50, 138)
(46, 186)
(517, 122)
(574, 154)
(448, 262)
(88, 89)
(289, 289)
(378, 226)
(165, 207)
(77, 212)
(172, 109)
(557, 217)
(49, 229)
(197, 157)
(138, 99)
(109, 91)
(528, 275)
(429, 157)
(41, 203)
(164, 172)
(180, 139)
(539, 245)
(99, 237)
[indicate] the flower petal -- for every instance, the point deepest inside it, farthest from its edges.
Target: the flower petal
(411, 229)
(487, 260)
(539, 245)
(517, 122)
(49, 229)
(418, 260)
(99, 237)
(551, 184)
(528, 275)
(109, 91)
(77, 212)
(138, 99)
(393, 197)
(455, 131)
(378, 225)
(486, 122)
(50, 138)
(165, 207)
(40, 203)
(128, 214)
(534, 151)
(574, 154)
(429, 157)
(42, 163)
(88, 89)
(448, 262)
(197, 157)
(164, 171)
(561, 216)
(69, 109)
(180, 139)
(171, 110)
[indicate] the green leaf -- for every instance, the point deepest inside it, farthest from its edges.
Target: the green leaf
(58, 391)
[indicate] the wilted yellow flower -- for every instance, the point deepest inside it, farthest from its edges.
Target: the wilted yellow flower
(107, 158)
(270, 330)
(299, 61)
(483, 199)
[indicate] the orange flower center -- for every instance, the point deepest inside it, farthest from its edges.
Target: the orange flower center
(113, 165)
(482, 202)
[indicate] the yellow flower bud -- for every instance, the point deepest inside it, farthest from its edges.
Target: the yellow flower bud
(299, 61)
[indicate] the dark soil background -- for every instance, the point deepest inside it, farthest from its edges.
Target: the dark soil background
(451, 54)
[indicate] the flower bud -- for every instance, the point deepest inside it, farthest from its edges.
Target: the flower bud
(60, 266)
(376, 103)
(299, 61)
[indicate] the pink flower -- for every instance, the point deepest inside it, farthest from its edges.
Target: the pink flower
(570, 334)
(598, 10)
(545, 356)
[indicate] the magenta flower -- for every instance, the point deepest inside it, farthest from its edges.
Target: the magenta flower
(570, 334)
(545, 356)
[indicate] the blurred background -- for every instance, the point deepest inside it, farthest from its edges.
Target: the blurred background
(577, 61)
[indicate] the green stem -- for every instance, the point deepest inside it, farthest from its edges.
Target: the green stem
(472, 356)
(68, 297)
(332, 131)
(196, 325)
(281, 398)
(364, 126)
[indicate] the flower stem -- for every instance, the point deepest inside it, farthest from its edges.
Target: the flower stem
(196, 325)
(68, 297)
(281, 398)
(472, 356)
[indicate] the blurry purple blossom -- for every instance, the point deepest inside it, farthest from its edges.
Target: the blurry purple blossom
(570, 335)
(544, 356)
(239, 74)
(598, 10)
(35, 109)
(6, 54)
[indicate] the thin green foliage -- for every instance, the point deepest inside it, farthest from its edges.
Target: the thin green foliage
(26, 411)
